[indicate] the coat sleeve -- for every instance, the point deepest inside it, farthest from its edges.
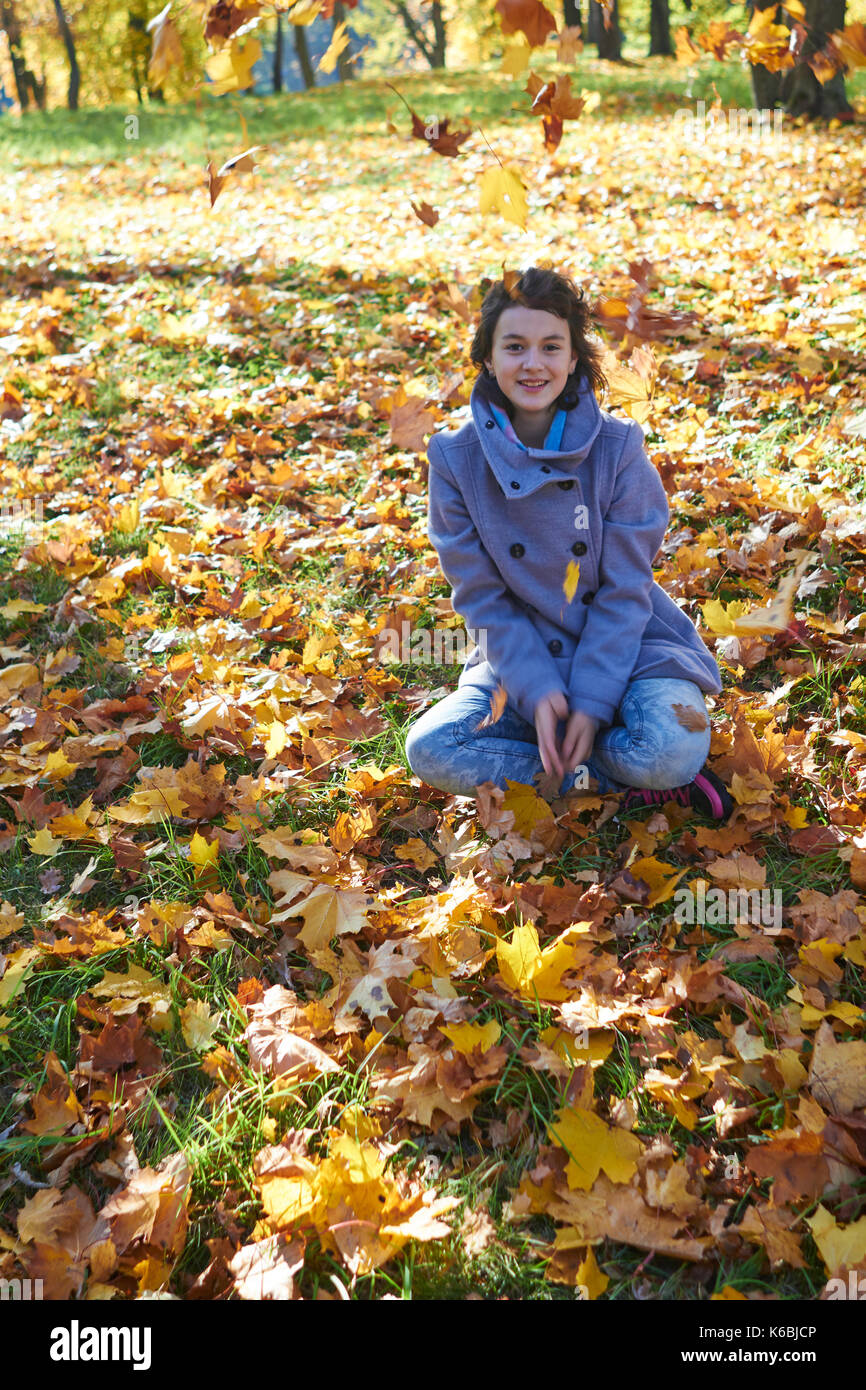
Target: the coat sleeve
(506, 635)
(632, 531)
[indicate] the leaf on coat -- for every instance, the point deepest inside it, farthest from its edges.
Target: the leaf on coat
(690, 718)
(572, 579)
(498, 701)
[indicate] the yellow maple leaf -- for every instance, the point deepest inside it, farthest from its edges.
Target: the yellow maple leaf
(721, 619)
(17, 606)
(339, 41)
(519, 960)
(528, 807)
(125, 992)
(534, 973)
(590, 1277)
(661, 878)
(417, 853)
(502, 191)
(18, 676)
(21, 963)
(43, 842)
(598, 1047)
(198, 1025)
(58, 767)
(201, 853)
(231, 68)
(466, 1037)
(126, 517)
(73, 825)
(592, 1146)
(841, 1247)
(329, 912)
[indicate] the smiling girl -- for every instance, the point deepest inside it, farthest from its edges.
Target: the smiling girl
(546, 515)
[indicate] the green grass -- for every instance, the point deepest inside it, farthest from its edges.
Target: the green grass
(360, 108)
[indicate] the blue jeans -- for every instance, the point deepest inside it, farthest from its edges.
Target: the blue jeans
(646, 747)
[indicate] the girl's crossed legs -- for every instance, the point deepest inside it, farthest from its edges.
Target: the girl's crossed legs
(648, 746)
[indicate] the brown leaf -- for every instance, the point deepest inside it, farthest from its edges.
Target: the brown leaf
(279, 1052)
(837, 1073)
(796, 1166)
(690, 717)
(498, 701)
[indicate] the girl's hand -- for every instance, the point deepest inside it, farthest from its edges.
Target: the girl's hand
(578, 740)
(548, 712)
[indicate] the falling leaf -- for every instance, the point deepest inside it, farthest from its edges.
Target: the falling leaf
(572, 579)
(502, 191)
(498, 701)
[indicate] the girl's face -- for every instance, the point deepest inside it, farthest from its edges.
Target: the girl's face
(531, 359)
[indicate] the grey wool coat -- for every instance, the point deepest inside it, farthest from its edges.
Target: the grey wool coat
(508, 522)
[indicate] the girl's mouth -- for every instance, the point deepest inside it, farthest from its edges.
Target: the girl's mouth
(532, 385)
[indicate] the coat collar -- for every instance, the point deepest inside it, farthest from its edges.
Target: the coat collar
(510, 464)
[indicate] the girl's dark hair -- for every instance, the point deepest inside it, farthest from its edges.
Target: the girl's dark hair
(541, 287)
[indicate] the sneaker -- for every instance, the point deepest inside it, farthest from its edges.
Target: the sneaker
(705, 793)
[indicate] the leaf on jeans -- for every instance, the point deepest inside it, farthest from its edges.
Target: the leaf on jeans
(690, 718)
(498, 701)
(572, 579)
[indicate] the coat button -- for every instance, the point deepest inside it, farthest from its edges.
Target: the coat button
(517, 550)
(545, 468)
(516, 486)
(566, 486)
(578, 548)
(554, 647)
(587, 598)
(490, 424)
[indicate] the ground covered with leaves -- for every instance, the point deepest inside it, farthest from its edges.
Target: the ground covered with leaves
(276, 1020)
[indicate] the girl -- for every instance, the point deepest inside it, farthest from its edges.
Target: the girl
(546, 515)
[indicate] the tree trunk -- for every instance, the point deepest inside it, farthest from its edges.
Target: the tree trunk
(25, 80)
(74, 71)
(660, 29)
(801, 91)
(607, 37)
(278, 55)
(416, 33)
(136, 27)
(797, 89)
(439, 35)
(345, 66)
(571, 14)
(303, 52)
